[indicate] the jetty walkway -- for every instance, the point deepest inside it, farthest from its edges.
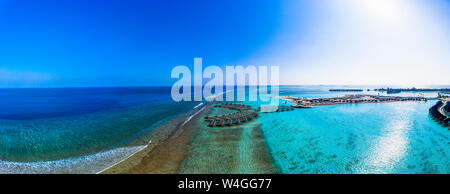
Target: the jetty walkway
(348, 99)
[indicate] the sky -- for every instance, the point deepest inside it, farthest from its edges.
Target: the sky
(95, 43)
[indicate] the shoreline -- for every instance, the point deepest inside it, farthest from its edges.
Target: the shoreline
(164, 135)
(131, 155)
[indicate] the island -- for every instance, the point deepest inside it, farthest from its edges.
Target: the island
(413, 89)
(347, 99)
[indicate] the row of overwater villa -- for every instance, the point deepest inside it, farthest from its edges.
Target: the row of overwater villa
(441, 112)
(348, 99)
(244, 114)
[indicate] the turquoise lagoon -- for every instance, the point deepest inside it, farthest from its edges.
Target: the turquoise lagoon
(363, 138)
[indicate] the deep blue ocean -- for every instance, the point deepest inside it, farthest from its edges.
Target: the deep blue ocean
(78, 129)
(27, 104)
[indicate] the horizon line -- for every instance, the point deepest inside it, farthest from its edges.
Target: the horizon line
(155, 86)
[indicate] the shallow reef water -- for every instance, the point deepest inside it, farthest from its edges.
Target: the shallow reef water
(237, 149)
(360, 138)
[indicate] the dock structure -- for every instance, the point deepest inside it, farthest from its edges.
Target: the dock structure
(244, 114)
(348, 99)
(441, 112)
(346, 90)
(272, 109)
(398, 90)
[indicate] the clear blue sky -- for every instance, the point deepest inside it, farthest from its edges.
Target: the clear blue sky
(67, 43)
(113, 42)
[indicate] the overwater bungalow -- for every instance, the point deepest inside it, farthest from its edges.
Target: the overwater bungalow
(212, 123)
(244, 114)
(229, 122)
(238, 121)
(439, 112)
(221, 122)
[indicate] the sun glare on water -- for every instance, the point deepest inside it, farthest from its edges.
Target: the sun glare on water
(391, 147)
